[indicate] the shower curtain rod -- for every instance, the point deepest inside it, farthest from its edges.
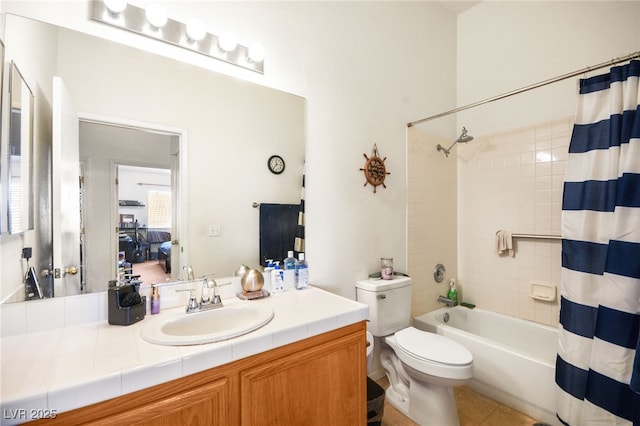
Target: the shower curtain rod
(530, 87)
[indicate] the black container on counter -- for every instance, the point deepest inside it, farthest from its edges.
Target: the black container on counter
(125, 305)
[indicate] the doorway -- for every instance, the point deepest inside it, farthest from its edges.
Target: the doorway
(107, 147)
(145, 198)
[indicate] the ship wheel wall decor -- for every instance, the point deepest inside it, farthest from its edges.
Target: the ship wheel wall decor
(374, 169)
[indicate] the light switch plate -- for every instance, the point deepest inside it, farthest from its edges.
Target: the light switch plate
(214, 230)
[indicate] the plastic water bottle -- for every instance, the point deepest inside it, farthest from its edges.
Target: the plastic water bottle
(302, 273)
(289, 271)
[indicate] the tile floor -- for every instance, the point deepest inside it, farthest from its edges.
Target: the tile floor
(474, 409)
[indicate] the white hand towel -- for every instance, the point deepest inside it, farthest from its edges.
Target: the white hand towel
(504, 243)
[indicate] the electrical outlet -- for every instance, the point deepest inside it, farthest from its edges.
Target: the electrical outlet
(214, 230)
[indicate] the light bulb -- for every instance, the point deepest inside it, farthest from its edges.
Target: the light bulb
(156, 15)
(195, 30)
(256, 52)
(115, 6)
(227, 42)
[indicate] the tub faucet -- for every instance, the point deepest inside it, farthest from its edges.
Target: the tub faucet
(446, 301)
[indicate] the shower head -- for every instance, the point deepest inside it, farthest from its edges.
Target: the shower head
(463, 138)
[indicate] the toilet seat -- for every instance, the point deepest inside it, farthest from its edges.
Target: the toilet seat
(432, 354)
(433, 347)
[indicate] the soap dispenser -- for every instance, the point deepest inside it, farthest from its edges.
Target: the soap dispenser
(453, 292)
(155, 300)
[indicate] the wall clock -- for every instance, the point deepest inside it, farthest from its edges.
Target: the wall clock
(275, 164)
(374, 169)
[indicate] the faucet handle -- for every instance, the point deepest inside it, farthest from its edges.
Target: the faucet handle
(204, 294)
(216, 297)
(192, 305)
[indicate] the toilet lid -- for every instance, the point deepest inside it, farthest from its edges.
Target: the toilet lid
(433, 347)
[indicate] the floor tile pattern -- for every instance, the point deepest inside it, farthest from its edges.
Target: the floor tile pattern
(474, 409)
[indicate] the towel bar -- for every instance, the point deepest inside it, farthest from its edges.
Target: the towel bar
(541, 237)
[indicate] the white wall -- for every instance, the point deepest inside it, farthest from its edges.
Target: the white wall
(503, 46)
(510, 177)
(365, 69)
(356, 98)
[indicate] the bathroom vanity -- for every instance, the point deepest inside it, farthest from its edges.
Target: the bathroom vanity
(307, 366)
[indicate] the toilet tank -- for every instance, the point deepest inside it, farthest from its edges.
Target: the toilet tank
(389, 304)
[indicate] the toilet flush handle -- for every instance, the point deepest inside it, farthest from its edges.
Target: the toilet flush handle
(381, 296)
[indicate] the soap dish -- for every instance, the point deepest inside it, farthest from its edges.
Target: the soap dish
(544, 292)
(252, 295)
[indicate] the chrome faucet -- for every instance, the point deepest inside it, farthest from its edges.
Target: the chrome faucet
(205, 302)
(189, 270)
(446, 301)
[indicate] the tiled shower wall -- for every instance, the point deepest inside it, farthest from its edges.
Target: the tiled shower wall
(431, 217)
(512, 181)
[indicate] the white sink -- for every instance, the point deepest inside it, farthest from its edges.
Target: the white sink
(209, 326)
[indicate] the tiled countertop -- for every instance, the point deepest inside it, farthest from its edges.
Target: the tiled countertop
(74, 366)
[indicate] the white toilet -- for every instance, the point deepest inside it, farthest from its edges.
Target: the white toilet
(422, 367)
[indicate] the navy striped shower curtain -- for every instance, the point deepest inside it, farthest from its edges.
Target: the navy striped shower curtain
(598, 362)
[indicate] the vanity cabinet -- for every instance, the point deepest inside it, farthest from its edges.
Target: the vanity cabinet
(206, 404)
(317, 381)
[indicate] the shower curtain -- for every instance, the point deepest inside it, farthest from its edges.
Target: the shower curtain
(597, 381)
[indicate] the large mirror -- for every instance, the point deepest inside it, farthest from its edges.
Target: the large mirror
(226, 130)
(20, 194)
(2, 178)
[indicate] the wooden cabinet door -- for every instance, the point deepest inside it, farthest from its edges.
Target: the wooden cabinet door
(321, 385)
(205, 405)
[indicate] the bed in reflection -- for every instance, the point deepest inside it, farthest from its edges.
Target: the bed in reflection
(160, 243)
(164, 255)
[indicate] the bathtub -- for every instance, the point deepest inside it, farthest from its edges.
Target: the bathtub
(513, 359)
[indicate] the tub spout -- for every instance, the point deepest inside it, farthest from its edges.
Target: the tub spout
(446, 301)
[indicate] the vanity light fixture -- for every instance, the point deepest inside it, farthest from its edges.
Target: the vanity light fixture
(153, 22)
